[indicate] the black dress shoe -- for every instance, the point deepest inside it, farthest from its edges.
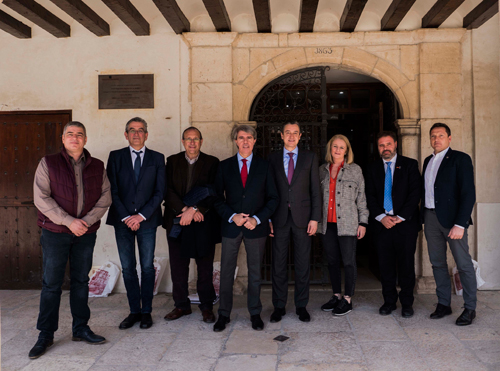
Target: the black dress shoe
(220, 325)
(407, 312)
(146, 320)
(387, 309)
(257, 323)
(441, 311)
(303, 314)
(88, 336)
(466, 317)
(130, 321)
(277, 314)
(40, 348)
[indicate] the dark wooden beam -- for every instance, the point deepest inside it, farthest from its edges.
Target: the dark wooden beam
(40, 16)
(395, 14)
(351, 14)
(11, 25)
(481, 14)
(308, 10)
(84, 15)
(440, 12)
(262, 12)
(174, 15)
(217, 11)
(129, 15)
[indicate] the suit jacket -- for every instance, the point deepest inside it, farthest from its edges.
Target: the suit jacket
(302, 194)
(259, 197)
(198, 237)
(131, 197)
(405, 194)
(454, 190)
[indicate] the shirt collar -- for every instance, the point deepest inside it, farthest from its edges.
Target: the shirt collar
(143, 149)
(191, 161)
(440, 154)
(286, 152)
(249, 158)
(392, 160)
(81, 159)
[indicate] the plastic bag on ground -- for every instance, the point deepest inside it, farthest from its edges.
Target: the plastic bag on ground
(103, 280)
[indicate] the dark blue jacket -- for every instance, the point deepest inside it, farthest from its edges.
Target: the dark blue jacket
(454, 190)
(131, 197)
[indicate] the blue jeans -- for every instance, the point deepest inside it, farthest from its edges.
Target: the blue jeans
(57, 249)
(146, 241)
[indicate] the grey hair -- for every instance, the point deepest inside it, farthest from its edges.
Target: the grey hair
(246, 128)
(78, 124)
(137, 119)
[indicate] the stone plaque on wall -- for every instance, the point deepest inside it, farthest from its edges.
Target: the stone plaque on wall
(126, 91)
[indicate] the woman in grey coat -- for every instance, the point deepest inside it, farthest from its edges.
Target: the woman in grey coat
(344, 220)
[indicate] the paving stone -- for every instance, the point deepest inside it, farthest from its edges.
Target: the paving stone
(322, 367)
(62, 363)
(369, 326)
(122, 368)
(251, 342)
(7, 334)
(15, 351)
(191, 355)
(13, 298)
(247, 363)
(397, 355)
(197, 329)
(138, 349)
(20, 319)
(303, 348)
(320, 322)
(487, 351)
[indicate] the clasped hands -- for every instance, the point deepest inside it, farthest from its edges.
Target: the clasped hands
(134, 222)
(245, 220)
(189, 214)
(390, 221)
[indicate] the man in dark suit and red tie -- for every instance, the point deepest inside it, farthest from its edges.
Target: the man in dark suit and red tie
(448, 198)
(393, 194)
(296, 174)
(246, 199)
(137, 177)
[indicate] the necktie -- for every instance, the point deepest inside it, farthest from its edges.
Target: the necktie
(388, 188)
(244, 172)
(137, 164)
(290, 168)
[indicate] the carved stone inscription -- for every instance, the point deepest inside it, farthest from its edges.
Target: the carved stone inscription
(126, 91)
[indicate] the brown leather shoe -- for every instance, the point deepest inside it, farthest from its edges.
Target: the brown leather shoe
(208, 316)
(177, 313)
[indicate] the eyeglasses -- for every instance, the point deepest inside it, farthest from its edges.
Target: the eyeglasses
(190, 140)
(140, 131)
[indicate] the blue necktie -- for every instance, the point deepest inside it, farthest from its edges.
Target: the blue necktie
(137, 164)
(388, 188)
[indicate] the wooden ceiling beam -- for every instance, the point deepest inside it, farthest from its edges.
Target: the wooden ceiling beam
(217, 11)
(308, 10)
(81, 12)
(440, 12)
(350, 16)
(174, 15)
(129, 15)
(395, 14)
(481, 14)
(262, 12)
(40, 16)
(11, 25)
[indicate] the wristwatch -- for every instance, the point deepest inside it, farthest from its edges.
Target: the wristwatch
(195, 208)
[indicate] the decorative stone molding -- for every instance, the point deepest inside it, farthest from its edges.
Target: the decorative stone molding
(425, 285)
(409, 132)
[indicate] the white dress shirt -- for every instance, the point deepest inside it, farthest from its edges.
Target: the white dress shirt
(134, 156)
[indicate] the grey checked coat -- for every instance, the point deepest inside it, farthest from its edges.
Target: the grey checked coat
(350, 199)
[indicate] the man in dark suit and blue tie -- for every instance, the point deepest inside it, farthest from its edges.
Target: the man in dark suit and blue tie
(137, 177)
(393, 194)
(296, 174)
(449, 196)
(246, 199)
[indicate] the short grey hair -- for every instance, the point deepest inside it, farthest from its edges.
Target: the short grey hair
(137, 119)
(78, 124)
(246, 128)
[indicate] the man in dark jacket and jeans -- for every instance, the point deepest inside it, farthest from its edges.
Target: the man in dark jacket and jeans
(71, 193)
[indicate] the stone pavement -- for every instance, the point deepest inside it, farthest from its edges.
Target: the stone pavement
(362, 340)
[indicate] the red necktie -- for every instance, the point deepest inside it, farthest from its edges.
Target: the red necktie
(244, 172)
(291, 167)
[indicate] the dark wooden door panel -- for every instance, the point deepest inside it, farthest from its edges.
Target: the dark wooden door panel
(26, 138)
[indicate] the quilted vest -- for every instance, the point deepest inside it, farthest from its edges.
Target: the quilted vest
(64, 192)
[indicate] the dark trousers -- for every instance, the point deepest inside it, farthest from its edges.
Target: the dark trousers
(340, 247)
(302, 254)
(179, 268)
(229, 256)
(396, 257)
(146, 241)
(57, 249)
(437, 236)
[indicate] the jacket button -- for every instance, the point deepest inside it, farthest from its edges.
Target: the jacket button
(243, 196)
(133, 203)
(340, 180)
(339, 217)
(338, 193)
(338, 204)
